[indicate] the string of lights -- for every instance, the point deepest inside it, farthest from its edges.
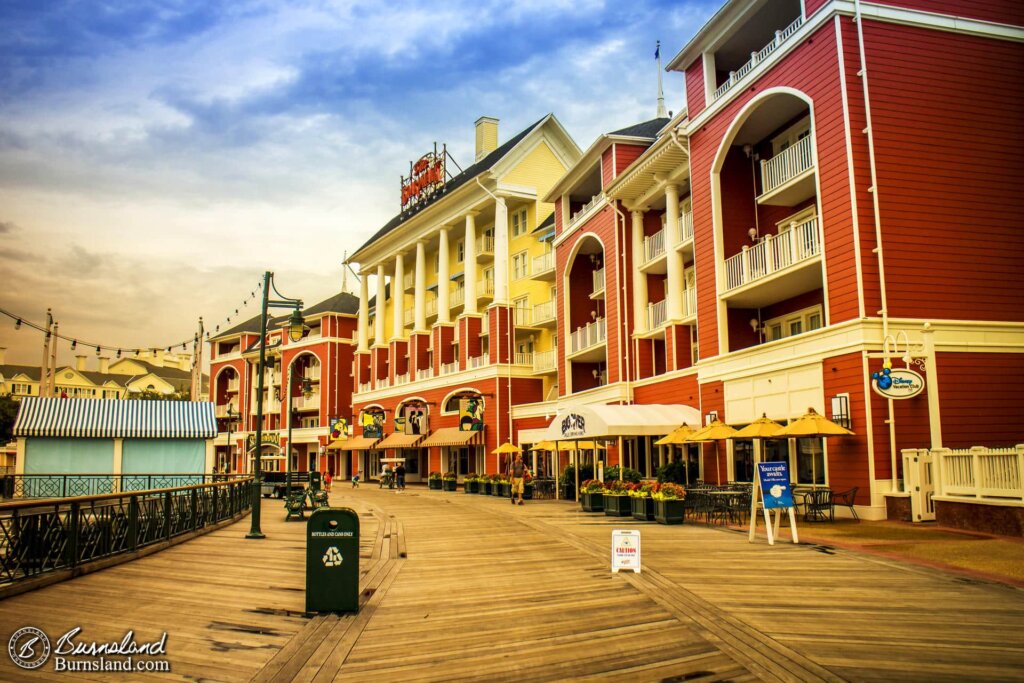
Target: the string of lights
(21, 321)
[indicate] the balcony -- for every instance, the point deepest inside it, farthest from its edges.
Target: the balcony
(431, 306)
(312, 373)
(401, 379)
(586, 210)
(656, 314)
(544, 362)
(788, 177)
(410, 317)
(485, 246)
(777, 258)
(485, 324)
(544, 314)
(689, 303)
(654, 247)
(365, 387)
(524, 317)
(477, 362)
(232, 387)
(383, 383)
(587, 342)
(457, 297)
(543, 266)
(758, 57)
(222, 411)
(450, 368)
(598, 292)
(485, 287)
(311, 402)
(424, 373)
(523, 359)
(685, 235)
(269, 407)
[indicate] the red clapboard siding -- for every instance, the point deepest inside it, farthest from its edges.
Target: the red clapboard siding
(812, 68)
(678, 390)
(695, 88)
(607, 167)
(979, 399)
(848, 456)
(626, 154)
(812, 6)
(1001, 11)
(947, 112)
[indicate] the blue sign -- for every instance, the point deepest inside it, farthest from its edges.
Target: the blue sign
(775, 487)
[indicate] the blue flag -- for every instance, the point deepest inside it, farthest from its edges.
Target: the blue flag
(657, 51)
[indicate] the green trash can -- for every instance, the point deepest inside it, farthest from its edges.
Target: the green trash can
(314, 481)
(332, 560)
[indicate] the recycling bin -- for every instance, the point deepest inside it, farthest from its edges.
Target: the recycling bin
(332, 560)
(314, 481)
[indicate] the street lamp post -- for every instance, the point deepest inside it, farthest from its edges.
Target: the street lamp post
(295, 332)
(231, 413)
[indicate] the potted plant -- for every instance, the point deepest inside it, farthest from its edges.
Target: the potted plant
(434, 481)
(641, 503)
(668, 503)
(498, 485)
(527, 487)
(484, 487)
(449, 481)
(592, 496)
(616, 498)
(470, 483)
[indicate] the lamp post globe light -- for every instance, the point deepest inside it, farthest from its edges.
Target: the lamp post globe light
(231, 417)
(296, 328)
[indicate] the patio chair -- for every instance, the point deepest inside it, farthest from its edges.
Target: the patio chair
(818, 506)
(846, 499)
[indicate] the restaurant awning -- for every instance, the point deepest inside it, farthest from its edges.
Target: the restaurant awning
(92, 419)
(400, 440)
(453, 436)
(358, 443)
(610, 421)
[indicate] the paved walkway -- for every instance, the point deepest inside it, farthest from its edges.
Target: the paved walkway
(489, 591)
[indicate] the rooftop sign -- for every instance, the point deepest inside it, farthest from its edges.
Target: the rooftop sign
(426, 178)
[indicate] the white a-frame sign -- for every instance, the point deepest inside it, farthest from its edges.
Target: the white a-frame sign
(772, 483)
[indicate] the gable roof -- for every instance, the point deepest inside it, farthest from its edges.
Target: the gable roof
(342, 302)
(11, 371)
(456, 182)
(646, 129)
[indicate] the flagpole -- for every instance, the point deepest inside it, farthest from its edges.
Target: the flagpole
(662, 112)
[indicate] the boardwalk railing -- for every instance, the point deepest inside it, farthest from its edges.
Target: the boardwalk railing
(73, 485)
(980, 474)
(40, 536)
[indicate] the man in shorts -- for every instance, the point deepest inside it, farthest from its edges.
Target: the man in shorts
(518, 471)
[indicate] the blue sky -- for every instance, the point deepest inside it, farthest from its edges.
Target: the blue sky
(157, 157)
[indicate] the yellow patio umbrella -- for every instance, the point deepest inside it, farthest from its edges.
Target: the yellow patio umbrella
(714, 432)
(676, 437)
(506, 448)
(812, 424)
(761, 428)
(543, 446)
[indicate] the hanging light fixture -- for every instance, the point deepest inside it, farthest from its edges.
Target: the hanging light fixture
(17, 324)
(119, 353)
(97, 350)
(74, 343)
(296, 326)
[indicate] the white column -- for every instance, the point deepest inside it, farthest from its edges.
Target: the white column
(640, 300)
(500, 252)
(420, 297)
(378, 321)
(364, 313)
(469, 274)
(674, 286)
(398, 298)
(443, 277)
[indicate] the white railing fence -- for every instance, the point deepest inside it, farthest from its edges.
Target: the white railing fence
(980, 473)
(758, 57)
(685, 226)
(598, 280)
(594, 201)
(424, 373)
(485, 245)
(773, 253)
(656, 314)
(587, 336)
(543, 263)
(457, 296)
(524, 317)
(523, 359)
(477, 361)
(919, 483)
(786, 165)
(689, 302)
(654, 246)
(365, 386)
(544, 312)
(450, 368)
(543, 361)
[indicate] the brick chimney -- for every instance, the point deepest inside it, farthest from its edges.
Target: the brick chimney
(104, 364)
(486, 136)
(80, 362)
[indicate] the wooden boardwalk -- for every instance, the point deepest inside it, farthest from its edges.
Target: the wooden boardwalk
(488, 591)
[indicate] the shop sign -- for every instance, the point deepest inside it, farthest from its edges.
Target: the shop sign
(775, 487)
(574, 426)
(471, 414)
(416, 421)
(426, 178)
(267, 439)
(625, 550)
(897, 383)
(339, 429)
(372, 423)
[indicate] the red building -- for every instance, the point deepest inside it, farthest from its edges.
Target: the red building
(315, 372)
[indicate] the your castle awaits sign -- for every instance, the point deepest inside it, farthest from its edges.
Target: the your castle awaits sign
(426, 178)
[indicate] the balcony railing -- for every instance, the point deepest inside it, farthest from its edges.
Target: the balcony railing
(689, 302)
(544, 312)
(477, 361)
(401, 379)
(544, 361)
(545, 263)
(450, 368)
(598, 280)
(431, 306)
(312, 373)
(311, 402)
(232, 385)
(523, 359)
(588, 336)
(424, 373)
(383, 383)
(365, 386)
(656, 313)
(981, 474)
(457, 297)
(685, 227)
(485, 324)
(758, 57)
(524, 317)
(408, 280)
(584, 210)
(485, 245)
(410, 316)
(222, 411)
(654, 246)
(786, 165)
(269, 407)
(485, 286)
(773, 254)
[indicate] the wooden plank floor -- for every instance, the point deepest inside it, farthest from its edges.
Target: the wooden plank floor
(489, 591)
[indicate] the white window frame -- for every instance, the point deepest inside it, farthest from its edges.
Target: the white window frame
(520, 265)
(519, 222)
(798, 218)
(460, 251)
(791, 135)
(785, 322)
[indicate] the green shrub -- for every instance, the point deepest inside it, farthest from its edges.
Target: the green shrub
(674, 472)
(628, 474)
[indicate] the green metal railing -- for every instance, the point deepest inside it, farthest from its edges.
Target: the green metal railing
(44, 535)
(67, 485)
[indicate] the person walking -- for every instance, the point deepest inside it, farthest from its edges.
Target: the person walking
(518, 470)
(327, 481)
(400, 476)
(385, 476)
(355, 480)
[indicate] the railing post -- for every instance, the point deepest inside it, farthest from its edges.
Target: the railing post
(976, 452)
(194, 494)
(793, 251)
(167, 515)
(64, 486)
(71, 550)
(1020, 470)
(133, 522)
(745, 258)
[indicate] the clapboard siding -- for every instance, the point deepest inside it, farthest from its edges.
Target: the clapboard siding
(979, 397)
(626, 154)
(695, 88)
(848, 456)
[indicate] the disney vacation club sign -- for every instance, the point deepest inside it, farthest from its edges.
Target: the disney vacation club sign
(897, 383)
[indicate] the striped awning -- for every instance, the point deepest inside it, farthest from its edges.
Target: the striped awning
(399, 440)
(115, 419)
(453, 436)
(357, 443)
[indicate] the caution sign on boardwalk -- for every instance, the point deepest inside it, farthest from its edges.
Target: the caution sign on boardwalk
(625, 550)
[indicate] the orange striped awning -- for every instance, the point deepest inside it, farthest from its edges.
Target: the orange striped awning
(359, 443)
(453, 436)
(400, 440)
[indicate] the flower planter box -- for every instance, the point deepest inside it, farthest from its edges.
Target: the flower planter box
(668, 511)
(449, 484)
(469, 487)
(592, 502)
(485, 488)
(568, 491)
(434, 484)
(502, 489)
(642, 509)
(617, 506)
